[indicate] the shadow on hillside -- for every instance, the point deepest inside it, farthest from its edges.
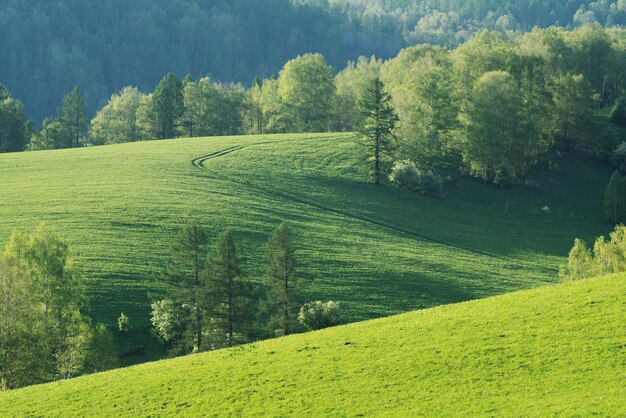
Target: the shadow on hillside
(543, 217)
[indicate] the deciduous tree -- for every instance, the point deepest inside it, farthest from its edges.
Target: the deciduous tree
(43, 333)
(307, 90)
(117, 121)
(500, 130)
(14, 126)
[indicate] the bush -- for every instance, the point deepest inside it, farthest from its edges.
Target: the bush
(406, 175)
(618, 158)
(319, 315)
(123, 323)
(169, 319)
(504, 176)
(618, 114)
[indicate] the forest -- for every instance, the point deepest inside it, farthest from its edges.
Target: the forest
(49, 47)
(454, 21)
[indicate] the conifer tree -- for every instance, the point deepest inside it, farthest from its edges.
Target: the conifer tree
(184, 277)
(283, 286)
(229, 296)
(73, 118)
(379, 121)
(167, 106)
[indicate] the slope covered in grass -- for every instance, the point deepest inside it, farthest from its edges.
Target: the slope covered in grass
(554, 351)
(378, 250)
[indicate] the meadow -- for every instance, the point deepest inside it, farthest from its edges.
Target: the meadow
(554, 351)
(377, 249)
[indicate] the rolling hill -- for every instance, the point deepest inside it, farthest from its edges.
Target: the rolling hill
(554, 351)
(378, 250)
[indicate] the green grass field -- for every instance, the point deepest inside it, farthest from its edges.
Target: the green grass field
(554, 351)
(378, 250)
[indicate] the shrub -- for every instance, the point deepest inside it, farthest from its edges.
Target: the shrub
(319, 315)
(169, 319)
(407, 175)
(123, 323)
(618, 158)
(618, 113)
(504, 176)
(404, 174)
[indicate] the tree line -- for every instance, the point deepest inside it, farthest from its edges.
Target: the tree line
(607, 256)
(491, 108)
(48, 47)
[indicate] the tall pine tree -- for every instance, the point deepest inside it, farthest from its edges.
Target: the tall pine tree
(167, 106)
(379, 121)
(186, 285)
(73, 118)
(284, 288)
(229, 296)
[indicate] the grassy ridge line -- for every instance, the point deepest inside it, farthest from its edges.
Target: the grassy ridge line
(554, 351)
(200, 163)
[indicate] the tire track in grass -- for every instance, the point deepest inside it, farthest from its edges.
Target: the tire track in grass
(200, 164)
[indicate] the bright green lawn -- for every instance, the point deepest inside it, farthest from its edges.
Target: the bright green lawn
(554, 351)
(378, 250)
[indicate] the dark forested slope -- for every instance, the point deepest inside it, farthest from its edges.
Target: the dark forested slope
(452, 21)
(47, 47)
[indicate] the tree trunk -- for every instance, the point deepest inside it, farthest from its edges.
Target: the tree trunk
(377, 162)
(286, 307)
(230, 313)
(198, 326)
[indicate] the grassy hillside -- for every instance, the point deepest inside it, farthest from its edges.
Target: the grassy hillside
(554, 351)
(378, 250)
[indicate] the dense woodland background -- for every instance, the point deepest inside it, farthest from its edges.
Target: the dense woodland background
(48, 47)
